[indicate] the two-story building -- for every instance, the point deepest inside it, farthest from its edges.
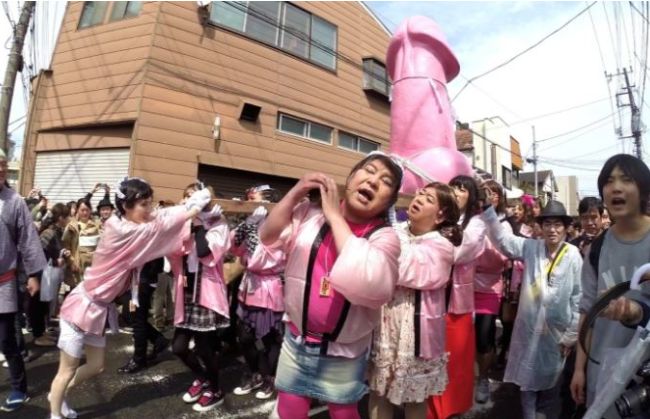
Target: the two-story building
(232, 93)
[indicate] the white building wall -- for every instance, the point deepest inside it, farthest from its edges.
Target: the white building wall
(568, 193)
(498, 134)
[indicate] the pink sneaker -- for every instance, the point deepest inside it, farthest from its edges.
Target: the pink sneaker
(194, 392)
(208, 401)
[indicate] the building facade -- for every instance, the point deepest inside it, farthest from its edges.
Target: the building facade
(231, 93)
(568, 193)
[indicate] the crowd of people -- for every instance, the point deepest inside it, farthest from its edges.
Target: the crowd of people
(331, 296)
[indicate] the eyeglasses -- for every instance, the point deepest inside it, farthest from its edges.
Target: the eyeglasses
(552, 226)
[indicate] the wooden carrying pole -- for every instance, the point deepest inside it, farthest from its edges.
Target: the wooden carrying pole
(230, 206)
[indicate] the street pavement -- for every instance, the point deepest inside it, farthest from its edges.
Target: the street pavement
(156, 392)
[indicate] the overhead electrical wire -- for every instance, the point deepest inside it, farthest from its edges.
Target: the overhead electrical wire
(576, 129)
(508, 61)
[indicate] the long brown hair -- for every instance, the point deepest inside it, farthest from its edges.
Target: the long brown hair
(449, 228)
(494, 186)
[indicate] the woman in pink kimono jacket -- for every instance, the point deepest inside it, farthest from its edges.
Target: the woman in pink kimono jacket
(341, 268)
(201, 306)
(408, 359)
(130, 239)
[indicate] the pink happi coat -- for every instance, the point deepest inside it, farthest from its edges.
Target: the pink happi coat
(365, 273)
(123, 249)
(461, 299)
(213, 293)
(261, 285)
(425, 267)
(490, 267)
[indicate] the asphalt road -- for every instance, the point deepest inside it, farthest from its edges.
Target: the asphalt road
(156, 392)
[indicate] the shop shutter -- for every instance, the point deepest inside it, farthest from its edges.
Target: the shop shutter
(69, 175)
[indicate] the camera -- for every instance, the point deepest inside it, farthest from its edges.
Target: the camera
(636, 400)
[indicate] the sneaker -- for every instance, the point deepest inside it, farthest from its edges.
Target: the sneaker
(193, 393)
(266, 391)
(15, 401)
(483, 391)
(66, 411)
(208, 401)
(255, 382)
(126, 330)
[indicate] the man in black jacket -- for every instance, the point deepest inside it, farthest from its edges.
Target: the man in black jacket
(143, 331)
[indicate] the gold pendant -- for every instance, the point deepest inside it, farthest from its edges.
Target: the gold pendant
(325, 289)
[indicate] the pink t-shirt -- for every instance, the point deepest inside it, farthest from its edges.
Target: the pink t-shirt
(325, 311)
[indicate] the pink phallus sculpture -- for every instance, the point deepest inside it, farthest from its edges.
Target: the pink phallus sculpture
(420, 63)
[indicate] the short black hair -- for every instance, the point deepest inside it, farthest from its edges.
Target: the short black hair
(133, 190)
(85, 202)
(392, 167)
(590, 202)
(634, 168)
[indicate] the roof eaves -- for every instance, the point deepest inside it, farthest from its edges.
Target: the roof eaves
(374, 16)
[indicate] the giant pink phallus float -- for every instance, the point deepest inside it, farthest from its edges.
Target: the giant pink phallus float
(420, 63)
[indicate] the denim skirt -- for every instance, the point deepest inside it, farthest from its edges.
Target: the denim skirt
(302, 370)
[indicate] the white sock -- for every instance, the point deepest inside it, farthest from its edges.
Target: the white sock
(53, 416)
(66, 410)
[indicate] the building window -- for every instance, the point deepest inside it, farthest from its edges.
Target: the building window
(507, 177)
(375, 77)
(356, 143)
(281, 25)
(305, 129)
(93, 13)
(125, 9)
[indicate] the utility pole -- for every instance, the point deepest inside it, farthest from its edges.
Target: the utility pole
(635, 122)
(13, 65)
(636, 118)
(534, 162)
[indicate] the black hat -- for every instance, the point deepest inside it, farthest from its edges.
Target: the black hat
(554, 209)
(105, 202)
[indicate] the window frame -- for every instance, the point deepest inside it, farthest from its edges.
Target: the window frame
(124, 16)
(368, 85)
(281, 32)
(358, 140)
(106, 18)
(506, 175)
(307, 131)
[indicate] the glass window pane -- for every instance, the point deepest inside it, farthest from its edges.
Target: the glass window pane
(263, 20)
(93, 13)
(347, 141)
(366, 146)
(293, 126)
(230, 14)
(320, 132)
(297, 36)
(133, 8)
(119, 8)
(323, 42)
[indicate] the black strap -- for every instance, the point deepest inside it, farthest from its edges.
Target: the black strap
(594, 252)
(310, 269)
(450, 286)
(334, 334)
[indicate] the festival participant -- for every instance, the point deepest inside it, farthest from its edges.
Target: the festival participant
(18, 240)
(201, 303)
(80, 237)
(624, 186)
(408, 359)
(57, 256)
(261, 302)
(488, 292)
(590, 211)
(460, 340)
(341, 268)
(132, 238)
(607, 220)
(105, 207)
(547, 320)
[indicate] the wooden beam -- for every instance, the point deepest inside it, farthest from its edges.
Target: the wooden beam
(230, 206)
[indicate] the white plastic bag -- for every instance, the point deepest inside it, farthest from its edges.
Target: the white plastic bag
(51, 282)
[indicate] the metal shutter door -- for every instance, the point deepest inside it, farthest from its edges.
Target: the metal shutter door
(69, 175)
(232, 183)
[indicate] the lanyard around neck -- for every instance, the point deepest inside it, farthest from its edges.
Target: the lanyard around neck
(556, 261)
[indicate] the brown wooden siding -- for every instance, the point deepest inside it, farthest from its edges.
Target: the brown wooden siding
(172, 76)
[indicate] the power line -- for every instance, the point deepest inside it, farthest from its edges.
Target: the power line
(639, 12)
(576, 129)
(473, 79)
(575, 137)
(544, 115)
(474, 85)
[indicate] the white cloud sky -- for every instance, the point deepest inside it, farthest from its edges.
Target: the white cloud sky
(564, 71)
